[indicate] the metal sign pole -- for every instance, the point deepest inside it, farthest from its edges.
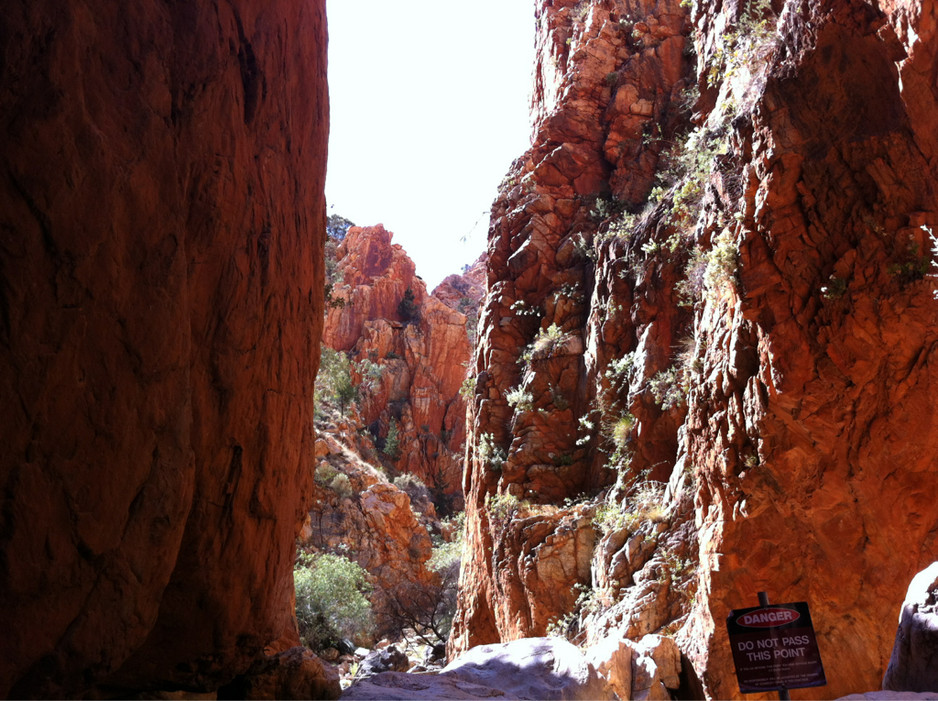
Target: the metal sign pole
(764, 601)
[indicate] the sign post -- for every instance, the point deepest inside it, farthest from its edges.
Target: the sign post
(774, 648)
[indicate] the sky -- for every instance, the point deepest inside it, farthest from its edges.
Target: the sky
(429, 106)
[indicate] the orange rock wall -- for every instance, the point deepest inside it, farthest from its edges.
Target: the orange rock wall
(806, 439)
(423, 359)
(160, 307)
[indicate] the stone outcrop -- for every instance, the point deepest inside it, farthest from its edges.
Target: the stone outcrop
(710, 319)
(464, 292)
(358, 512)
(647, 669)
(160, 308)
(293, 674)
(913, 665)
(386, 316)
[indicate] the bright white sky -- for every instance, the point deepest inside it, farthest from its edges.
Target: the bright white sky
(429, 103)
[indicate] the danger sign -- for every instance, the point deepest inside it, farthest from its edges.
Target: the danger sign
(774, 647)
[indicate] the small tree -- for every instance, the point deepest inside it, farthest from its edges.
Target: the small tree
(331, 600)
(427, 608)
(337, 226)
(334, 385)
(392, 444)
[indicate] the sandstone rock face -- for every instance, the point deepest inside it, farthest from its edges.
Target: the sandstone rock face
(419, 342)
(914, 662)
(160, 307)
(357, 511)
(465, 291)
(733, 373)
(648, 669)
(552, 321)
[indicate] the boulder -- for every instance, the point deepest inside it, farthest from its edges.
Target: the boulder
(293, 674)
(656, 668)
(390, 659)
(612, 657)
(531, 668)
(647, 669)
(914, 662)
(399, 686)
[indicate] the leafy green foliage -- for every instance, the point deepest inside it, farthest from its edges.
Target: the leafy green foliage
(337, 226)
(331, 600)
(547, 342)
(392, 442)
(334, 385)
(427, 609)
(669, 387)
(490, 453)
(707, 272)
(468, 388)
(739, 48)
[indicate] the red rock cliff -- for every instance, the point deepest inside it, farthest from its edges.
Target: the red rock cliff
(420, 344)
(160, 307)
(738, 366)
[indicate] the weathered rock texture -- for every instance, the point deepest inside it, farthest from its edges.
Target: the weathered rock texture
(752, 349)
(421, 345)
(913, 665)
(162, 223)
(464, 293)
(358, 512)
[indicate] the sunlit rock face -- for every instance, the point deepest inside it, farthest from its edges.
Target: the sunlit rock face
(358, 512)
(420, 343)
(163, 220)
(464, 291)
(743, 362)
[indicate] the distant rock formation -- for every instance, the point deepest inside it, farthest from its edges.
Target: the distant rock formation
(384, 315)
(162, 213)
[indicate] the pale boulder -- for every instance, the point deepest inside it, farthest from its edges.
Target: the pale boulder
(914, 662)
(531, 668)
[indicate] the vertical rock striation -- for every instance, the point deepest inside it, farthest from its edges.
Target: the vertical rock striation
(721, 302)
(420, 343)
(162, 225)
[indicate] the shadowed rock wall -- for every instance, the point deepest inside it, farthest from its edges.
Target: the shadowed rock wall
(161, 233)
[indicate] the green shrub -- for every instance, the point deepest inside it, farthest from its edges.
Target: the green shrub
(490, 453)
(468, 388)
(669, 388)
(547, 342)
(519, 399)
(621, 430)
(334, 385)
(341, 485)
(392, 443)
(331, 600)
